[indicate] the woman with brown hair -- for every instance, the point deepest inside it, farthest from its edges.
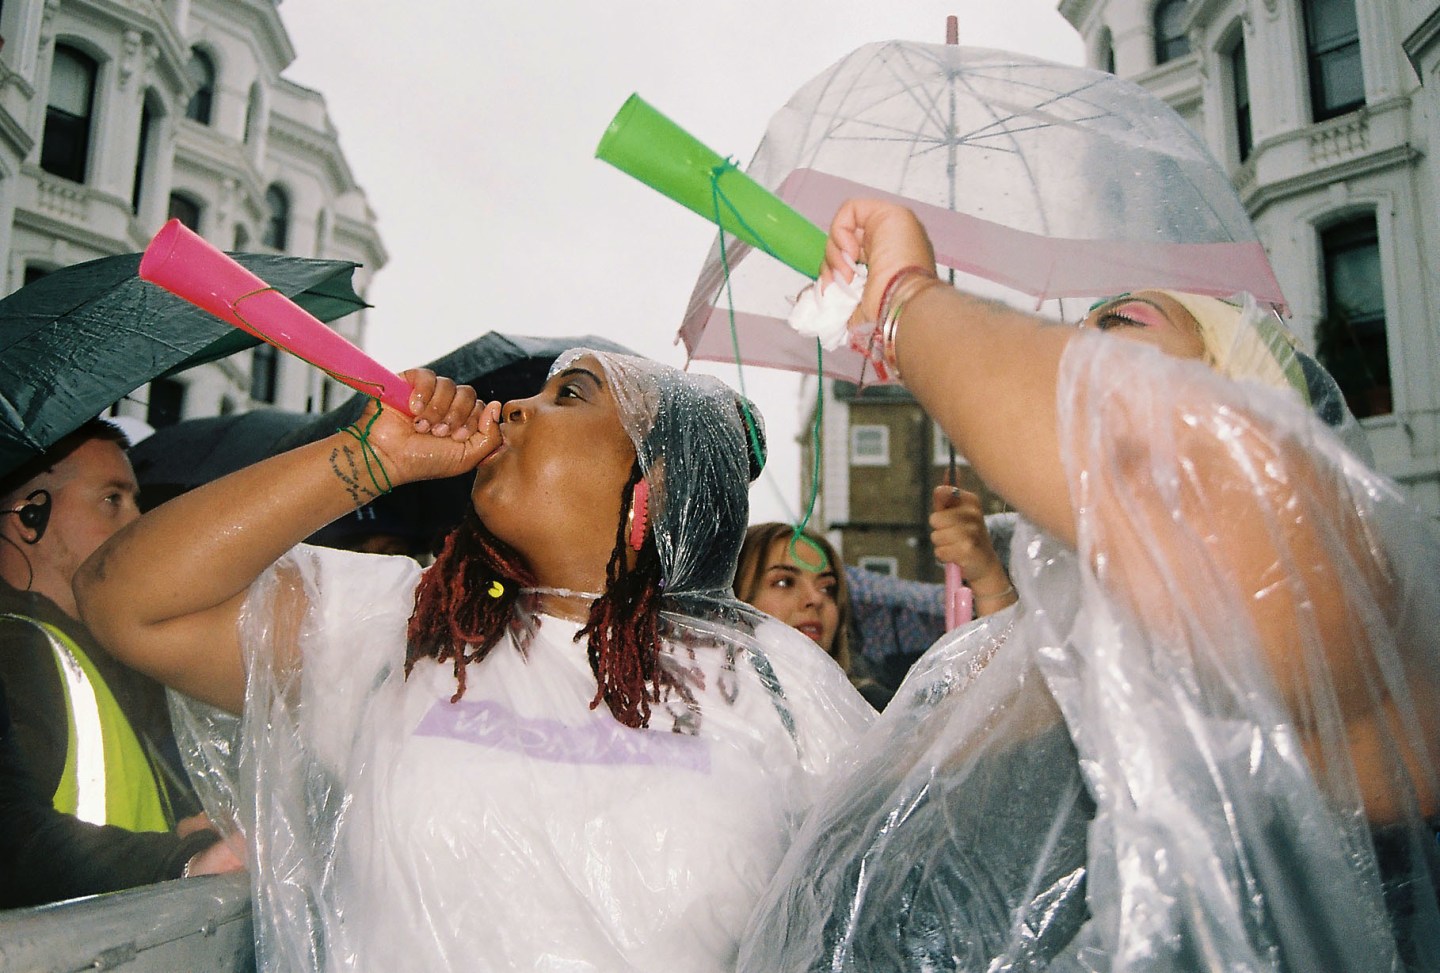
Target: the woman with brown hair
(563, 745)
(798, 577)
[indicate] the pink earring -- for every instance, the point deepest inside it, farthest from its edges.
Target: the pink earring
(639, 514)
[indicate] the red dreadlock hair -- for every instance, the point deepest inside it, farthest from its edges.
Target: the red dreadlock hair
(456, 618)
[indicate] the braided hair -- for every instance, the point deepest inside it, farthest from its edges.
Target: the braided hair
(624, 629)
(457, 617)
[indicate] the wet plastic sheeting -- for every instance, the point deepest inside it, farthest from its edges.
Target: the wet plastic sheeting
(1261, 787)
(393, 828)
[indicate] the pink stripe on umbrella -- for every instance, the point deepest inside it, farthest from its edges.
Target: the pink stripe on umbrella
(1051, 267)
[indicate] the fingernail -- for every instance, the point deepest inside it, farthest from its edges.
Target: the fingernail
(441, 429)
(421, 425)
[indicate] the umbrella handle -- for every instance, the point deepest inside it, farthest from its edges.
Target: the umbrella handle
(959, 600)
(189, 267)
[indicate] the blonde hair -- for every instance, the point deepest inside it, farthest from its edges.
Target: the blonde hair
(1245, 341)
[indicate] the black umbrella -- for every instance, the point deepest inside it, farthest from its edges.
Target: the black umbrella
(82, 337)
(186, 454)
(196, 451)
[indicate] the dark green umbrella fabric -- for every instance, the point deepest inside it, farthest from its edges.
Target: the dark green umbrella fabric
(82, 337)
(194, 451)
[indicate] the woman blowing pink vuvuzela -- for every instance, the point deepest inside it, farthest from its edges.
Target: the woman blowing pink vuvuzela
(563, 745)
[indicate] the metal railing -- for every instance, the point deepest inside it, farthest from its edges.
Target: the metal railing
(197, 924)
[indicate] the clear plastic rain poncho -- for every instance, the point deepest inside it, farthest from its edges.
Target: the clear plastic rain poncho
(1144, 765)
(518, 829)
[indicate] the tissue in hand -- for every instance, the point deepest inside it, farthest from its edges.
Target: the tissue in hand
(825, 315)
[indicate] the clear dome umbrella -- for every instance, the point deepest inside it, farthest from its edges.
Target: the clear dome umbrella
(1034, 178)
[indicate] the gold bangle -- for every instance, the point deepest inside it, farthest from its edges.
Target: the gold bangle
(915, 284)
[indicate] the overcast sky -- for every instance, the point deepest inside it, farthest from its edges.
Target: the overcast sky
(472, 126)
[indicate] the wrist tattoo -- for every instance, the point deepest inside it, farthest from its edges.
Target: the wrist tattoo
(347, 471)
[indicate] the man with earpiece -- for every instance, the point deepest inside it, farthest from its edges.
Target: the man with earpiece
(89, 801)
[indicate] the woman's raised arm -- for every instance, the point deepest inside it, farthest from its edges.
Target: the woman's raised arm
(1250, 498)
(985, 372)
(163, 595)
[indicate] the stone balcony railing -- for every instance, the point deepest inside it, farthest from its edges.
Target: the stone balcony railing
(62, 199)
(1348, 136)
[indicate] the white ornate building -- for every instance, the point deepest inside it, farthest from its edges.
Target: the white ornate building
(1317, 109)
(117, 114)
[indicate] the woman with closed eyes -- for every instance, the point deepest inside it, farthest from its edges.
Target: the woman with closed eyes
(1207, 736)
(563, 746)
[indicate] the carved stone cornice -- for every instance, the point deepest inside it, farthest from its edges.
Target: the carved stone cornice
(132, 44)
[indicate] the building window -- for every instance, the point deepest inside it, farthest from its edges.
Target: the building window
(186, 210)
(1240, 92)
(264, 372)
(142, 153)
(167, 401)
(34, 273)
(65, 147)
(277, 227)
(1170, 39)
(252, 113)
(870, 445)
(940, 447)
(201, 72)
(888, 566)
(242, 237)
(1106, 60)
(1350, 341)
(331, 393)
(1332, 48)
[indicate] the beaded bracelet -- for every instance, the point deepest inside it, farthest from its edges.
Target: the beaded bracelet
(999, 594)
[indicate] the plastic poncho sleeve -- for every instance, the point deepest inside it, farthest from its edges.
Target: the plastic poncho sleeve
(320, 629)
(1254, 685)
(1205, 738)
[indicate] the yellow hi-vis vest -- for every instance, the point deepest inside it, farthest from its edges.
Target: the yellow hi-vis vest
(107, 777)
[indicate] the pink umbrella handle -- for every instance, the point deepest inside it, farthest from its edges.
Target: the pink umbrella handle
(959, 600)
(189, 267)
